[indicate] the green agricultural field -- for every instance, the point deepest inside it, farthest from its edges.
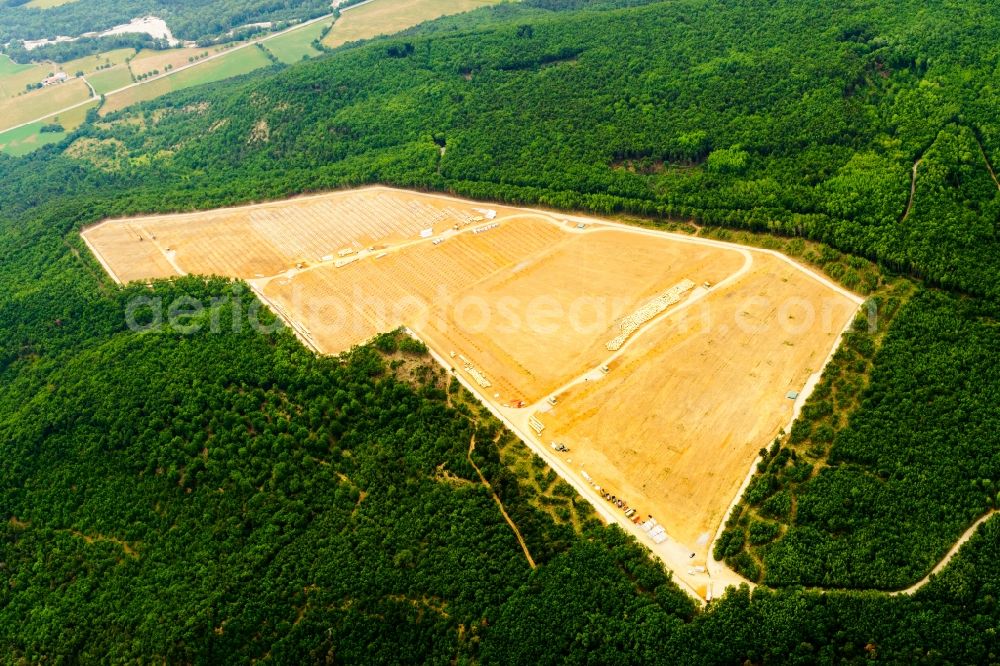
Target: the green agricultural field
(8, 66)
(385, 17)
(18, 105)
(296, 44)
(23, 140)
(47, 4)
(110, 79)
(232, 64)
(91, 64)
(34, 105)
(148, 60)
(14, 77)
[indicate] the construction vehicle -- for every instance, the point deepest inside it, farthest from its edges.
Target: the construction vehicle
(605, 369)
(552, 400)
(561, 448)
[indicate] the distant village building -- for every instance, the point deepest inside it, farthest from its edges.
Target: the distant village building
(58, 77)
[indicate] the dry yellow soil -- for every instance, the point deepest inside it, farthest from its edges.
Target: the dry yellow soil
(529, 301)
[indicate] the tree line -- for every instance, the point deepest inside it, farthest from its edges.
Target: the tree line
(227, 496)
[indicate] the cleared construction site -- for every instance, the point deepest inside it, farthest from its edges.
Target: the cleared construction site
(645, 367)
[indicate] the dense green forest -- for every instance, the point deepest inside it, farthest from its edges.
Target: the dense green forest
(225, 496)
(875, 499)
(809, 127)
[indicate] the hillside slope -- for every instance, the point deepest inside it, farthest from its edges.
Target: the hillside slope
(808, 124)
(226, 495)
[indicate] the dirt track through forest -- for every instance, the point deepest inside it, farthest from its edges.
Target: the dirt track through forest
(913, 189)
(496, 498)
(989, 167)
(948, 557)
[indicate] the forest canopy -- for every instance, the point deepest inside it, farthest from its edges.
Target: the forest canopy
(231, 496)
(814, 127)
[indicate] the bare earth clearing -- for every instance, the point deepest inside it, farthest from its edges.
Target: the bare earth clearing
(525, 306)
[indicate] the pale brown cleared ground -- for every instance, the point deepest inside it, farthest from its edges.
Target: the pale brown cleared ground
(532, 305)
(689, 400)
(552, 313)
(343, 306)
(266, 239)
(675, 425)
